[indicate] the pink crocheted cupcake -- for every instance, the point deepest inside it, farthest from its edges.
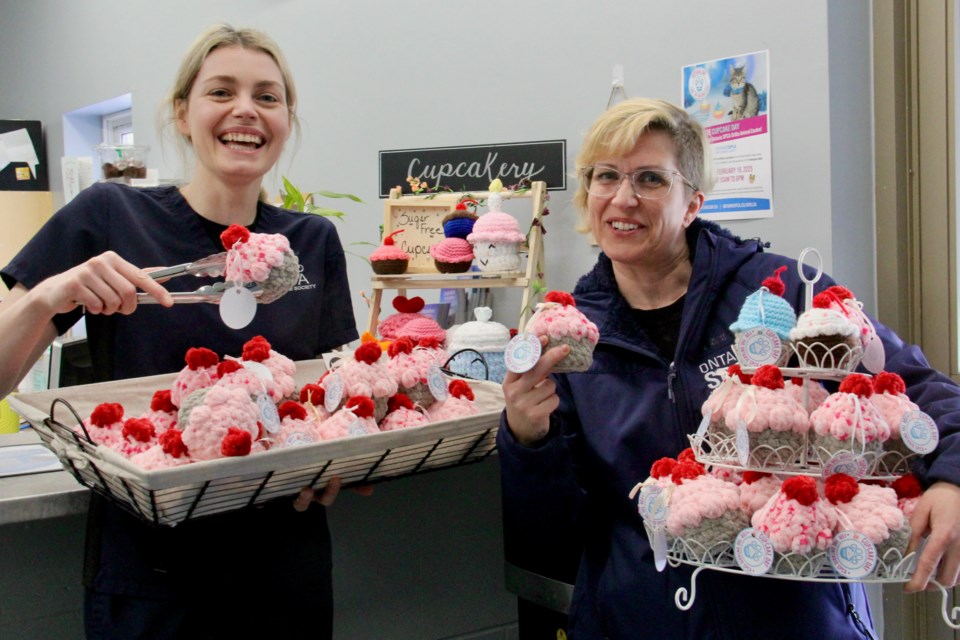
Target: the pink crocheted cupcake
(280, 382)
(559, 319)
(297, 426)
(810, 399)
(871, 510)
(409, 372)
(200, 372)
(776, 423)
(162, 412)
(496, 239)
(366, 374)
(848, 421)
(797, 521)
(756, 490)
(401, 414)
(429, 351)
(421, 328)
(407, 309)
(139, 434)
(354, 419)
(452, 255)
(105, 425)
(265, 258)
(459, 404)
(825, 338)
(168, 452)
(724, 398)
(224, 424)
(704, 510)
(311, 399)
(388, 258)
(909, 490)
(890, 399)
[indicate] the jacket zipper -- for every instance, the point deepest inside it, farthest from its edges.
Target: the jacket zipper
(671, 376)
(854, 614)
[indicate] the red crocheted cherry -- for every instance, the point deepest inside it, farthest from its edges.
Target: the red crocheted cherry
(106, 413)
(399, 401)
(161, 402)
(140, 429)
(237, 442)
(663, 467)
(201, 358)
(291, 409)
(889, 382)
(400, 345)
(687, 471)
(362, 406)
(561, 297)
(735, 370)
(368, 352)
(858, 384)
(907, 486)
(840, 488)
(171, 441)
(430, 342)
(234, 233)
(800, 488)
(460, 389)
(313, 393)
(774, 284)
(768, 376)
(749, 477)
(687, 455)
(228, 366)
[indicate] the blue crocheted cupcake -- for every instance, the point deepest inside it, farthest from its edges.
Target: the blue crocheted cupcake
(766, 308)
(459, 224)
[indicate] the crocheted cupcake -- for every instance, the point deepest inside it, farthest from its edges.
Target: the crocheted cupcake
(826, 338)
(871, 510)
(168, 452)
(422, 328)
(908, 490)
(281, 369)
(559, 319)
(766, 308)
(354, 419)
(459, 404)
(265, 258)
(297, 426)
(704, 510)
(724, 398)
(162, 412)
(890, 399)
(429, 351)
(756, 489)
(452, 255)
(409, 372)
(366, 374)
(105, 425)
(388, 258)
(407, 309)
(311, 398)
(138, 435)
(848, 421)
(200, 372)
(809, 398)
(460, 223)
(776, 423)
(871, 352)
(401, 414)
(496, 240)
(486, 337)
(799, 524)
(224, 424)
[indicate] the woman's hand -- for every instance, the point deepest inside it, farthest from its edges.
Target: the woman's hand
(326, 497)
(532, 396)
(937, 516)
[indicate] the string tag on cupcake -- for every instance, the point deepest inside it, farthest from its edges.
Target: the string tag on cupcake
(437, 383)
(919, 432)
(238, 305)
(298, 438)
(652, 506)
(333, 388)
(704, 425)
(852, 554)
(742, 443)
(759, 346)
(846, 462)
(522, 352)
(753, 551)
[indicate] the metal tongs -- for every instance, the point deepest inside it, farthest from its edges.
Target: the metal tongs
(211, 266)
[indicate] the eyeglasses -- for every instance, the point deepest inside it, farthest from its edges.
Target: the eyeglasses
(652, 184)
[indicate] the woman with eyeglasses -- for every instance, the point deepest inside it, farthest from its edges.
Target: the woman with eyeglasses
(664, 292)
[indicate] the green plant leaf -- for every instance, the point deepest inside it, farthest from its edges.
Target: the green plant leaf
(325, 211)
(333, 194)
(292, 198)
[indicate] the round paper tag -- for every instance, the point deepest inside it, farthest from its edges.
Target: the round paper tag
(333, 388)
(919, 432)
(269, 417)
(357, 428)
(759, 346)
(852, 554)
(743, 443)
(753, 552)
(437, 383)
(238, 306)
(258, 369)
(298, 438)
(846, 462)
(652, 505)
(659, 546)
(522, 352)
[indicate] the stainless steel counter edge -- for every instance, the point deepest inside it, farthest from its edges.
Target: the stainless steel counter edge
(38, 496)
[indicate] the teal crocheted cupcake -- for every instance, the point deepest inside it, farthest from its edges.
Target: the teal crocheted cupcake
(766, 308)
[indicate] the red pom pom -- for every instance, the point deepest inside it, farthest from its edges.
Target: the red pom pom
(774, 284)
(171, 441)
(389, 239)
(313, 393)
(362, 406)
(889, 382)
(106, 414)
(237, 442)
(408, 305)
(840, 488)
(749, 477)
(291, 409)
(235, 233)
(908, 486)
(797, 382)
(687, 471)
(858, 384)
(368, 352)
(430, 342)
(256, 349)
(663, 467)
(140, 429)
(768, 376)
(161, 402)
(399, 401)
(400, 345)
(460, 389)
(561, 297)
(800, 488)
(687, 455)
(840, 293)
(201, 358)
(228, 366)
(735, 370)
(513, 332)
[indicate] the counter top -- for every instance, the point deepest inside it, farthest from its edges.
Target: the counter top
(38, 496)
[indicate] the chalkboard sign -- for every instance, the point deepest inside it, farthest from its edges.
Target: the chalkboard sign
(422, 226)
(473, 168)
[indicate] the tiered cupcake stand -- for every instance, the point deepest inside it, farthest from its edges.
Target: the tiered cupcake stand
(848, 559)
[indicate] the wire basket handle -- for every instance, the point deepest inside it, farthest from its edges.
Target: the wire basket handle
(53, 422)
(480, 358)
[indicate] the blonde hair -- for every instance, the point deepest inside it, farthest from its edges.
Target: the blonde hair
(617, 130)
(216, 37)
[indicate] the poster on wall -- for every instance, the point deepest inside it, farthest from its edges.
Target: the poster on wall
(23, 162)
(730, 97)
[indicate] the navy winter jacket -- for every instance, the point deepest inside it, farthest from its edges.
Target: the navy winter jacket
(635, 406)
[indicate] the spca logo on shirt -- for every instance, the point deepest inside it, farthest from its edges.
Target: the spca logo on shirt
(303, 283)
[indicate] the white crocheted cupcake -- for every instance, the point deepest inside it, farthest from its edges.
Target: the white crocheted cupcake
(825, 338)
(559, 319)
(487, 338)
